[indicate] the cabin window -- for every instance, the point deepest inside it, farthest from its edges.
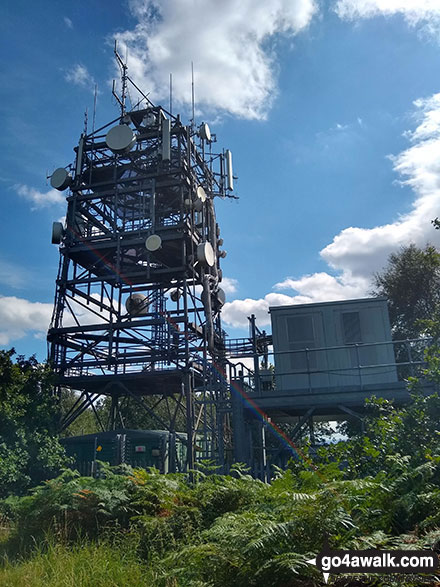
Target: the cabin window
(351, 327)
(300, 336)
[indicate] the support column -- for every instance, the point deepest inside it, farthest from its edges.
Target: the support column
(255, 353)
(189, 418)
(241, 444)
(114, 411)
(263, 451)
(172, 452)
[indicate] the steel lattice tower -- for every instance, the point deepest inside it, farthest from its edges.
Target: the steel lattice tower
(138, 296)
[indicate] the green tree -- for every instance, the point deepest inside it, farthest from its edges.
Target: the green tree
(29, 447)
(411, 282)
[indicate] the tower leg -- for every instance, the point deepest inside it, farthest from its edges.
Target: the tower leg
(263, 452)
(189, 420)
(114, 412)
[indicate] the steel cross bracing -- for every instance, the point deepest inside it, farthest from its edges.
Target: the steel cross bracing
(172, 344)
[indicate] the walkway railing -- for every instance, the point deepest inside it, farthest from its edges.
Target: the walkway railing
(343, 365)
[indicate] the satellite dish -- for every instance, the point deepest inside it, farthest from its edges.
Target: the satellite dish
(201, 194)
(57, 233)
(205, 132)
(60, 179)
(153, 243)
(120, 139)
(205, 254)
(137, 304)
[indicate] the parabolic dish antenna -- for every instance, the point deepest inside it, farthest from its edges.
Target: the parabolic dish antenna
(60, 179)
(175, 295)
(120, 139)
(137, 304)
(153, 243)
(205, 132)
(205, 254)
(57, 233)
(201, 194)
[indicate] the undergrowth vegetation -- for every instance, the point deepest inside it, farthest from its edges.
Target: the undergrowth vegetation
(379, 489)
(135, 527)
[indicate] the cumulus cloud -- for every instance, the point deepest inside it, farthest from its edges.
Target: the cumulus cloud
(356, 253)
(414, 11)
(235, 67)
(20, 317)
(319, 287)
(229, 285)
(359, 252)
(235, 313)
(39, 199)
(80, 76)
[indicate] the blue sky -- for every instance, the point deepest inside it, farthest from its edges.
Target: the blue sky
(331, 110)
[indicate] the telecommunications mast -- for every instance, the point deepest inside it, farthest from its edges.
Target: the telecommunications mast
(138, 293)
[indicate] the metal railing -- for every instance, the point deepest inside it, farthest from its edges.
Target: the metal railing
(357, 365)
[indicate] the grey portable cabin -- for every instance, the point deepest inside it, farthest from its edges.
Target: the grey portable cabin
(332, 344)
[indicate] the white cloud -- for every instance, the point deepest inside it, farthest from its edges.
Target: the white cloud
(229, 285)
(19, 317)
(356, 253)
(235, 69)
(414, 11)
(319, 287)
(68, 22)
(359, 252)
(80, 76)
(39, 199)
(235, 313)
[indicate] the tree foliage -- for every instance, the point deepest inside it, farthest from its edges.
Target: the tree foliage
(411, 282)
(29, 447)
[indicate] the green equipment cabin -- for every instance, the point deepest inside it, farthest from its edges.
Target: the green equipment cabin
(138, 448)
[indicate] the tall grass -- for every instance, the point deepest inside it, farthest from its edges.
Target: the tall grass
(82, 565)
